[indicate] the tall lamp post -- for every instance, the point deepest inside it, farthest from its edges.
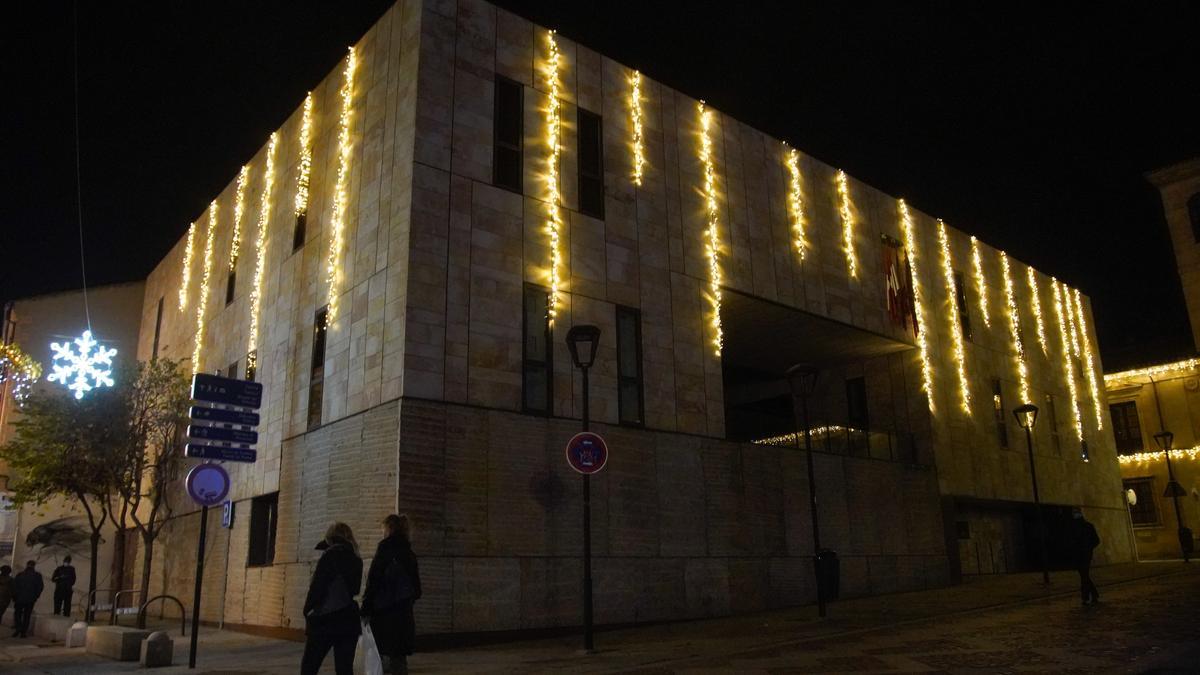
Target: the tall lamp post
(1027, 417)
(803, 382)
(1174, 490)
(583, 341)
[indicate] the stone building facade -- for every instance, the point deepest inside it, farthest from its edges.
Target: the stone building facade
(403, 343)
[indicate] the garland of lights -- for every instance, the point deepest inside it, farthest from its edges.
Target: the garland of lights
(239, 209)
(187, 267)
(635, 112)
(19, 368)
(1147, 457)
(712, 245)
(1036, 303)
(1151, 371)
(260, 251)
(1089, 364)
(202, 305)
(1068, 362)
(305, 169)
(910, 243)
(554, 220)
(980, 281)
(1067, 303)
(789, 439)
(337, 222)
(1014, 328)
(843, 187)
(960, 357)
(796, 201)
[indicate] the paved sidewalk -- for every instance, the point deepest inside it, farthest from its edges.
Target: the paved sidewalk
(1148, 619)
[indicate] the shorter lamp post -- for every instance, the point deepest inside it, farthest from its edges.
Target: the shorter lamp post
(803, 382)
(583, 341)
(1027, 417)
(1174, 490)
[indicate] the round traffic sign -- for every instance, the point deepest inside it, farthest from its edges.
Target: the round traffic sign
(208, 484)
(587, 453)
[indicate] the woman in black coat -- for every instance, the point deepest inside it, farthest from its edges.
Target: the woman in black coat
(393, 585)
(330, 613)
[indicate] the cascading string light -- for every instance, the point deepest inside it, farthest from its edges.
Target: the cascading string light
(1014, 328)
(1067, 302)
(187, 267)
(260, 251)
(843, 188)
(1147, 457)
(304, 170)
(337, 221)
(1151, 371)
(960, 354)
(239, 209)
(635, 113)
(980, 282)
(1068, 362)
(712, 245)
(554, 220)
(1088, 362)
(1036, 304)
(796, 201)
(204, 280)
(910, 244)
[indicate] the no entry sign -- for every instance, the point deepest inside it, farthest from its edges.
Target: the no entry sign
(587, 453)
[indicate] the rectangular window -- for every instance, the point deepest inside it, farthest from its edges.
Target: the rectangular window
(316, 383)
(960, 300)
(1001, 418)
(1145, 511)
(232, 373)
(157, 329)
(508, 128)
(252, 365)
(538, 374)
(591, 164)
(264, 512)
(1126, 429)
(298, 231)
(230, 285)
(856, 404)
(1051, 415)
(629, 366)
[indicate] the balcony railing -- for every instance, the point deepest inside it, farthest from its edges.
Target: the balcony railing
(895, 446)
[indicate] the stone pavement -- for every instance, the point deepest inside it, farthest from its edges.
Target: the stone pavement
(1147, 621)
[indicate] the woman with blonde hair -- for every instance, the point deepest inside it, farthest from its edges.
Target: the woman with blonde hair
(393, 585)
(330, 613)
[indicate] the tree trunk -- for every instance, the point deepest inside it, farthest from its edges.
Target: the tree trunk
(92, 575)
(119, 560)
(147, 558)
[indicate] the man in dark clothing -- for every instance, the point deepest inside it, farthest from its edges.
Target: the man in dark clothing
(64, 585)
(1084, 540)
(5, 589)
(27, 588)
(393, 585)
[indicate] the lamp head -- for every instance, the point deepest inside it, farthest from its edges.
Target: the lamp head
(1026, 415)
(802, 379)
(583, 341)
(1164, 439)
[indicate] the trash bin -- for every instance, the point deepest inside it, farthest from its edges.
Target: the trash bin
(828, 574)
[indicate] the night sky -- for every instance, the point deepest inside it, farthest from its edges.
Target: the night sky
(1029, 125)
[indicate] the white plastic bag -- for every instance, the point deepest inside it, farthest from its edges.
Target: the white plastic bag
(366, 659)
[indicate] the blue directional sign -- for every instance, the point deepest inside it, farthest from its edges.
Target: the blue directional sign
(219, 434)
(217, 415)
(219, 453)
(214, 389)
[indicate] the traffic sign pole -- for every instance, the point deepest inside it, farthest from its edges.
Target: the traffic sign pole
(587, 535)
(199, 582)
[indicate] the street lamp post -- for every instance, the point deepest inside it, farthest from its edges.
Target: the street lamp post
(1027, 417)
(803, 382)
(582, 341)
(1174, 491)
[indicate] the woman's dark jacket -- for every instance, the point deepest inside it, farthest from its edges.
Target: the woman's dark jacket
(394, 627)
(338, 560)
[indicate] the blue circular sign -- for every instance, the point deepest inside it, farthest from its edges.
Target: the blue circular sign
(587, 453)
(208, 484)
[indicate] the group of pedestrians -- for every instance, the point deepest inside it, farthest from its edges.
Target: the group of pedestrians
(24, 589)
(333, 620)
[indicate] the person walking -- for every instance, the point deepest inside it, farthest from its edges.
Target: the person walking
(330, 613)
(27, 587)
(1083, 541)
(393, 585)
(64, 586)
(5, 589)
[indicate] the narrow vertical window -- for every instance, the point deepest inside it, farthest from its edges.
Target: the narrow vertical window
(630, 401)
(157, 330)
(264, 515)
(316, 383)
(591, 164)
(232, 373)
(1127, 430)
(508, 127)
(1052, 419)
(998, 406)
(230, 287)
(856, 404)
(960, 301)
(537, 377)
(298, 231)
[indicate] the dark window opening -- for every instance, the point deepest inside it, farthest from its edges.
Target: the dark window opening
(157, 329)
(316, 383)
(963, 529)
(298, 231)
(1001, 419)
(630, 403)
(856, 404)
(1127, 431)
(508, 127)
(252, 365)
(264, 513)
(1051, 415)
(232, 373)
(591, 164)
(1193, 207)
(960, 300)
(1145, 511)
(230, 285)
(537, 379)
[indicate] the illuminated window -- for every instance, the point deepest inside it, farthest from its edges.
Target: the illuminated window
(1001, 418)
(960, 301)
(591, 164)
(264, 514)
(1193, 206)
(629, 365)
(508, 126)
(1145, 511)
(537, 379)
(316, 384)
(1127, 431)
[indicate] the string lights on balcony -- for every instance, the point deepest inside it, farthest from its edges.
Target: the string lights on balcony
(337, 222)
(554, 219)
(186, 279)
(635, 113)
(980, 282)
(1088, 362)
(204, 281)
(1036, 303)
(960, 355)
(910, 244)
(1014, 327)
(304, 170)
(796, 201)
(239, 209)
(260, 248)
(843, 188)
(712, 246)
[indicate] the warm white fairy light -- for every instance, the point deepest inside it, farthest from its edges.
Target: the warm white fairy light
(1157, 455)
(980, 282)
(1064, 333)
(960, 354)
(1068, 302)
(239, 209)
(260, 247)
(554, 219)
(843, 187)
(1036, 303)
(304, 171)
(337, 222)
(1014, 328)
(796, 202)
(635, 113)
(790, 438)
(712, 244)
(187, 267)
(910, 244)
(1089, 364)
(1177, 367)
(204, 280)
(19, 369)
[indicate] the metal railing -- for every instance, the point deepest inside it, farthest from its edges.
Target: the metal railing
(116, 608)
(141, 617)
(90, 612)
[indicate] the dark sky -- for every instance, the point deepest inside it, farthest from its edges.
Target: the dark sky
(1029, 125)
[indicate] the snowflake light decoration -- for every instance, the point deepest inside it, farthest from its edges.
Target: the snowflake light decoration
(80, 371)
